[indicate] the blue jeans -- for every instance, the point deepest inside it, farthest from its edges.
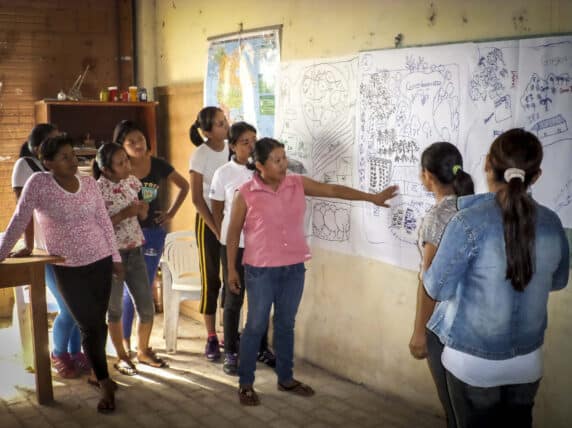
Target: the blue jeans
(283, 287)
(495, 407)
(152, 250)
(66, 337)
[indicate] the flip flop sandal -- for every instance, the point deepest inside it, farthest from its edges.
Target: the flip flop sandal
(126, 368)
(106, 406)
(297, 388)
(247, 396)
(154, 360)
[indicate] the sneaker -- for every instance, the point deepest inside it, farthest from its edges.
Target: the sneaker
(64, 366)
(212, 350)
(230, 365)
(267, 357)
(80, 362)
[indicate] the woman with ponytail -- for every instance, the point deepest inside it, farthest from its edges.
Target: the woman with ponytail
(499, 258)
(209, 133)
(441, 174)
(226, 181)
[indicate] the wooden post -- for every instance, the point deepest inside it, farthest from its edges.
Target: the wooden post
(44, 390)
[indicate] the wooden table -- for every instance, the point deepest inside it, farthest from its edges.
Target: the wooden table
(16, 272)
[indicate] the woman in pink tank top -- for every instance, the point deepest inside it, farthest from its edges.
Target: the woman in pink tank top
(269, 209)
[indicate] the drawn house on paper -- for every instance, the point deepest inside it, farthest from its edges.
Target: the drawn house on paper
(552, 126)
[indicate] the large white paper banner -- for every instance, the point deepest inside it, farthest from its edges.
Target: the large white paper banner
(365, 123)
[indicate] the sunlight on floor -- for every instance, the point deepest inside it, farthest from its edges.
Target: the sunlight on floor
(14, 376)
(16, 379)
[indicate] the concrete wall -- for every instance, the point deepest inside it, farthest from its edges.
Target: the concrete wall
(357, 313)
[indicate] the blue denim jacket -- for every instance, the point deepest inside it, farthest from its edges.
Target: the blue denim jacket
(484, 316)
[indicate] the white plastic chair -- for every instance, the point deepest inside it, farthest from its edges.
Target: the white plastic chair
(181, 280)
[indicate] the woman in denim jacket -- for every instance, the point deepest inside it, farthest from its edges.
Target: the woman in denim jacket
(498, 260)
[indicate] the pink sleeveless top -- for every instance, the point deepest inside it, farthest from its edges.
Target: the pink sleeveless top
(274, 224)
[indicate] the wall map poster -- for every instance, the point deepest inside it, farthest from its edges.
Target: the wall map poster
(241, 72)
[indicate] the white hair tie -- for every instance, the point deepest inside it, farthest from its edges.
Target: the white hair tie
(511, 173)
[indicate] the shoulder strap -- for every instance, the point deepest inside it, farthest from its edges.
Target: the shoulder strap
(33, 165)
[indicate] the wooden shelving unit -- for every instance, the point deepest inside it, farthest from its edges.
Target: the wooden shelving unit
(98, 119)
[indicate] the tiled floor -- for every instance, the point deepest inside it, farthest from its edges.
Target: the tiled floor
(196, 393)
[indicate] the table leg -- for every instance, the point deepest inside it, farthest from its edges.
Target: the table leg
(44, 391)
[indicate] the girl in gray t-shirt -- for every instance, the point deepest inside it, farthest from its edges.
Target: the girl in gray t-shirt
(442, 174)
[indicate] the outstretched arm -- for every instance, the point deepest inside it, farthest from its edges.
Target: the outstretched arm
(315, 188)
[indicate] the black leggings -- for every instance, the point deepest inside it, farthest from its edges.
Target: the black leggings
(232, 304)
(86, 290)
(434, 351)
(209, 264)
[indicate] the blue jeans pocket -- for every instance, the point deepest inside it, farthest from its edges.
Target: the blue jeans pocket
(253, 273)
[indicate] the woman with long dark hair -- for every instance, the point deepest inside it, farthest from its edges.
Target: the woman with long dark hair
(498, 260)
(208, 133)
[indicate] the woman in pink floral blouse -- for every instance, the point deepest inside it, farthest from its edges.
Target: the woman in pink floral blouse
(76, 226)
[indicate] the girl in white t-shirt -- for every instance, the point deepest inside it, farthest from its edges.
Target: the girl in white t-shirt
(211, 153)
(226, 180)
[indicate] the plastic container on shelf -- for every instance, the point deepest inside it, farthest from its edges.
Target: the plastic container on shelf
(133, 93)
(142, 94)
(104, 95)
(113, 93)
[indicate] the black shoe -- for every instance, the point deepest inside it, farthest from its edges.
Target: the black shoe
(230, 364)
(267, 357)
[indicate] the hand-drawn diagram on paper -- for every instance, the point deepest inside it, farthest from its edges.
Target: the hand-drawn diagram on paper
(545, 108)
(315, 119)
(366, 124)
(491, 103)
(406, 102)
(526, 84)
